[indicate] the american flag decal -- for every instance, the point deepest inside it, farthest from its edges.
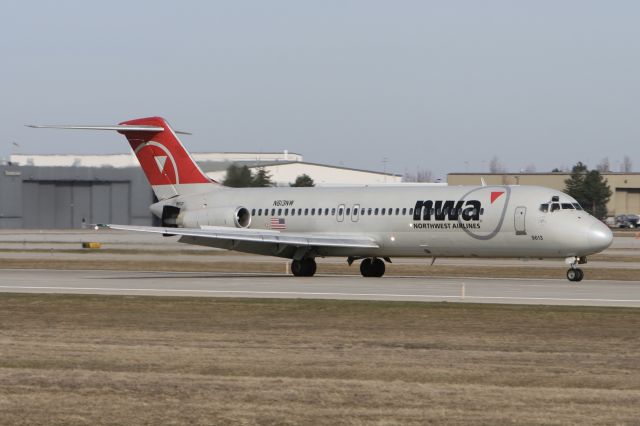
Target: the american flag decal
(278, 223)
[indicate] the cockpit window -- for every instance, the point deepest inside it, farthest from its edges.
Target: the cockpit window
(544, 207)
(555, 207)
(577, 206)
(567, 206)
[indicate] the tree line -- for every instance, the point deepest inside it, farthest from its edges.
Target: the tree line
(242, 177)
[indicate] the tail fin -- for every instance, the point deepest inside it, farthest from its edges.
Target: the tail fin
(168, 166)
(166, 163)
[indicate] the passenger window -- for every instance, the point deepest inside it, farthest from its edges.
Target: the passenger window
(544, 208)
(567, 206)
(313, 212)
(253, 212)
(279, 212)
(299, 212)
(348, 211)
(375, 212)
(411, 211)
(397, 211)
(340, 211)
(306, 212)
(555, 207)
(259, 212)
(369, 211)
(404, 211)
(333, 211)
(319, 212)
(293, 212)
(286, 212)
(273, 212)
(326, 212)
(362, 212)
(382, 212)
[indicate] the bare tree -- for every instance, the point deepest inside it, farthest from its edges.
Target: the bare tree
(421, 175)
(531, 168)
(604, 165)
(495, 166)
(626, 166)
(424, 176)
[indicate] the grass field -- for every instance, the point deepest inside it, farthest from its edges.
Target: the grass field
(71, 359)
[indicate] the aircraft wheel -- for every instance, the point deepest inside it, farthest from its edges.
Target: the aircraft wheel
(365, 267)
(372, 267)
(304, 267)
(575, 275)
(297, 268)
(378, 267)
(311, 267)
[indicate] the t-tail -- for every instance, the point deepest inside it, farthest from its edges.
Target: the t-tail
(170, 169)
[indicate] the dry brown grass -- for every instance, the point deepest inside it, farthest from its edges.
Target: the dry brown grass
(142, 360)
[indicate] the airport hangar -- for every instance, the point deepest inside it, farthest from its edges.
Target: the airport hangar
(625, 187)
(69, 191)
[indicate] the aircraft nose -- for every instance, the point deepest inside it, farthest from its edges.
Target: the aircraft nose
(599, 236)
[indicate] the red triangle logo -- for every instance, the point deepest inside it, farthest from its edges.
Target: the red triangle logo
(495, 195)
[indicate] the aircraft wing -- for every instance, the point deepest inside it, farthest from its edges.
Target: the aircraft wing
(300, 239)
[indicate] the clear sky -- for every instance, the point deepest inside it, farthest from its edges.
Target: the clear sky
(442, 86)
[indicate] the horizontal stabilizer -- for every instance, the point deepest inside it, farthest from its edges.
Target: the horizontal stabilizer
(118, 128)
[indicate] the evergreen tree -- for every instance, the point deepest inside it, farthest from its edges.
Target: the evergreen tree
(590, 189)
(262, 178)
(238, 177)
(303, 180)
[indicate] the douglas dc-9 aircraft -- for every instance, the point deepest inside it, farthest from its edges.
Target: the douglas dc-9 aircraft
(371, 224)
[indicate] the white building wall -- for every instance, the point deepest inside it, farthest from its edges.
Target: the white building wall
(284, 174)
(73, 160)
(129, 160)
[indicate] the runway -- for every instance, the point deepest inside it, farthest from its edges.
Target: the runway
(472, 290)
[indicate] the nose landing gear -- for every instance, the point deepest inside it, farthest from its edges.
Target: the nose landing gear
(575, 274)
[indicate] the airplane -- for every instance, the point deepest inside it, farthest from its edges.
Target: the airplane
(371, 224)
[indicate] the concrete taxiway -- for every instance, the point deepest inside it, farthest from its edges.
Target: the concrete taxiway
(474, 290)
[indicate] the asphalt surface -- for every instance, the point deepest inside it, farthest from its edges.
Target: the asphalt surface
(473, 290)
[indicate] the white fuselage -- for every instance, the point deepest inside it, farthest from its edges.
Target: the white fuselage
(407, 221)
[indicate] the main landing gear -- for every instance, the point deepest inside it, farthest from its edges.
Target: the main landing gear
(574, 273)
(304, 267)
(372, 267)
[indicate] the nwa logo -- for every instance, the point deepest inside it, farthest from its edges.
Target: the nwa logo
(465, 213)
(447, 210)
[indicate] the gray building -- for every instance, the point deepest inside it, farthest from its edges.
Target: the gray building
(67, 197)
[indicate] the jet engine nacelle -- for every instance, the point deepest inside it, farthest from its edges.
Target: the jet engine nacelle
(239, 217)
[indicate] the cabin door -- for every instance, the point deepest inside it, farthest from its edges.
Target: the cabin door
(519, 220)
